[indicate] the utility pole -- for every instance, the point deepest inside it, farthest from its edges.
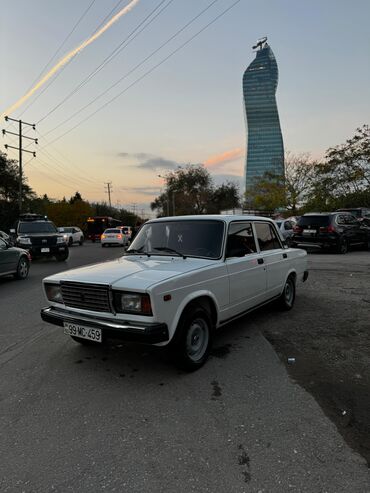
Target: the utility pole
(20, 149)
(108, 191)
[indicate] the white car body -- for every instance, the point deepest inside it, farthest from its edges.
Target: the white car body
(230, 287)
(114, 236)
(72, 234)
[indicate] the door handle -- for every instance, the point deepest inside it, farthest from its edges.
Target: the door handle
(285, 255)
(260, 260)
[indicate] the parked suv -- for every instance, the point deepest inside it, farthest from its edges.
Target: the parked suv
(336, 230)
(40, 237)
(72, 234)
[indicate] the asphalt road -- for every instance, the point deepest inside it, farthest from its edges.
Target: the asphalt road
(120, 418)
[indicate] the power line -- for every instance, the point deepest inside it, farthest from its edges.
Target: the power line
(148, 72)
(110, 57)
(134, 68)
(53, 57)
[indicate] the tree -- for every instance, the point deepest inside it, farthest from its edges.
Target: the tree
(190, 190)
(267, 192)
(299, 173)
(224, 197)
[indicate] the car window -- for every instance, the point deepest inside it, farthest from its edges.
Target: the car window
(112, 231)
(278, 223)
(342, 219)
(266, 236)
(2, 244)
(240, 240)
(193, 238)
(314, 221)
(351, 219)
(288, 225)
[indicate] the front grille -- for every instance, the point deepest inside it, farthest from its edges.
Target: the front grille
(93, 297)
(44, 242)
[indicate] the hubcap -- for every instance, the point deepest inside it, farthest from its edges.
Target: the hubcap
(197, 339)
(289, 292)
(23, 268)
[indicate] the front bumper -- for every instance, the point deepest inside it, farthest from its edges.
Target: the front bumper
(35, 251)
(124, 330)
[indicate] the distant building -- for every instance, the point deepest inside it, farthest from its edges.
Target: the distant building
(265, 148)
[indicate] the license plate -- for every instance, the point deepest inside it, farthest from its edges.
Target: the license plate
(76, 330)
(309, 231)
(45, 250)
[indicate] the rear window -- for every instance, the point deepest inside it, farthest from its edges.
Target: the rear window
(314, 221)
(112, 231)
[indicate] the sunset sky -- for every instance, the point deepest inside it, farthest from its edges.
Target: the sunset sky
(188, 109)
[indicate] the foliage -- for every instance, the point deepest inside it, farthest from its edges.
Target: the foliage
(190, 190)
(266, 193)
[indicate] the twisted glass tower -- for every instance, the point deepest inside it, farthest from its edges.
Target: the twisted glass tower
(265, 148)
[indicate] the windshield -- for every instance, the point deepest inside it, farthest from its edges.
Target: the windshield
(192, 238)
(116, 231)
(37, 227)
(67, 230)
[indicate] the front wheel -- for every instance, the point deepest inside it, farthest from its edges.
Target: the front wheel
(22, 268)
(193, 339)
(61, 257)
(70, 241)
(287, 297)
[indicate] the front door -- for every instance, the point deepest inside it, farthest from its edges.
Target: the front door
(7, 258)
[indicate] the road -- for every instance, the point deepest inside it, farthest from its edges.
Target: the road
(120, 418)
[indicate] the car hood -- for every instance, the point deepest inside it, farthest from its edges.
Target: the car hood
(133, 272)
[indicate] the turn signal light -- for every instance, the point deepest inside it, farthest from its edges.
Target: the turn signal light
(102, 237)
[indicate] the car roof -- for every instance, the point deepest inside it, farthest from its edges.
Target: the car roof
(228, 218)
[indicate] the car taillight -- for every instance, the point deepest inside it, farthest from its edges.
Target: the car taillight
(103, 236)
(119, 236)
(327, 229)
(297, 229)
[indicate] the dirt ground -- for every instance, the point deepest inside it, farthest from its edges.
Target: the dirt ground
(328, 334)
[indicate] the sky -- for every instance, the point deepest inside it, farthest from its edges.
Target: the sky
(184, 109)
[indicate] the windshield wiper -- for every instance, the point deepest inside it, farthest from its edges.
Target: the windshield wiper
(135, 251)
(169, 250)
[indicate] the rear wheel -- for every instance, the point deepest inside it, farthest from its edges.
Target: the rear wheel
(70, 241)
(342, 247)
(22, 268)
(81, 242)
(287, 297)
(193, 338)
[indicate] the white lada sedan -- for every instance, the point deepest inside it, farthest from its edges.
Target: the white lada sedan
(180, 279)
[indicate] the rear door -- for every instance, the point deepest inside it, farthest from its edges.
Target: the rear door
(247, 273)
(273, 255)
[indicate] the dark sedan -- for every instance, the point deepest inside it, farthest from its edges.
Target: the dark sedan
(15, 261)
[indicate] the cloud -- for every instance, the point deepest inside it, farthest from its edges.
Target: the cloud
(135, 155)
(141, 190)
(149, 161)
(224, 157)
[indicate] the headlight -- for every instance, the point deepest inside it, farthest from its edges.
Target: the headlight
(132, 303)
(53, 293)
(60, 239)
(24, 240)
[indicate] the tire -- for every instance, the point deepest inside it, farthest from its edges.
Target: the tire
(103, 245)
(81, 242)
(287, 297)
(22, 268)
(193, 339)
(70, 241)
(342, 247)
(61, 257)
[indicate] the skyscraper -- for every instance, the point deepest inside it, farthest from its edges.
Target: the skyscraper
(265, 148)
